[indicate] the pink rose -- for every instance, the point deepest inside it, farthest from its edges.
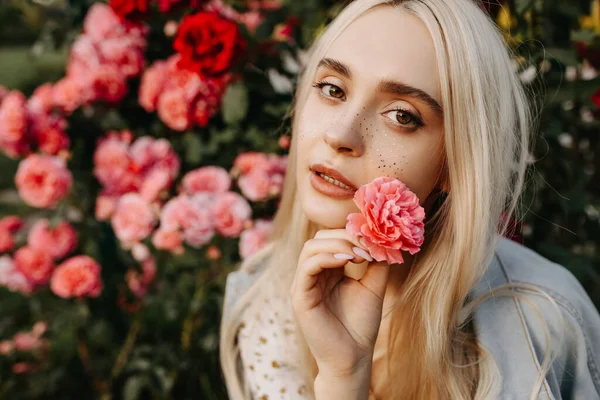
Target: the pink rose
(11, 223)
(68, 94)
(12, 278)
(152, 84)
(13, 125)
(254, 239)
(246, 162)
(198, 227)
(29, 342)
(7, 242)
(189, 83)
(140, 283)
(231, 212)
(209, 179)
(35, 264)
(124, 53)
(168, 240)
(6, 346)
(105, 207)
(113, 166)
(256, 185)
(41, 101)
(102, 22)
(192, 215)
(390, 219)
(263, 178)
(208, 103)
(48, 133)
(42, 180)
(133, 220)
(155, 183)
(174, 110)
(109, 83)
(77, 277)
(175, 213)
(251, 19)
(57, 242)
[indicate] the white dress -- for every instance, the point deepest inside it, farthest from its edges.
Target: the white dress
(262, 339)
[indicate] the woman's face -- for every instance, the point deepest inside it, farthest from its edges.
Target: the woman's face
(374, 110)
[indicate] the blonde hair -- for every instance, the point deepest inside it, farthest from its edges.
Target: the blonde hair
(487, 125)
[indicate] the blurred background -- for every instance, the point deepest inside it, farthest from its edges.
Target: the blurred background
(142, 153)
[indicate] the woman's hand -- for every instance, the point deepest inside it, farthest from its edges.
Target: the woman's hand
(338, 315)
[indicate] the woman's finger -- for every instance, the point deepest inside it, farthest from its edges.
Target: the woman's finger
(343, 234)
(307, 273)
(376, 278)
(334, 246)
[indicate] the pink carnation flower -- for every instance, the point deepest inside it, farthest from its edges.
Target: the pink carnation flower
(78, 276)
(58, 242)
(231, 212)
(35, 264)
(209, 179)
(390, 219)
(42, 180)
(255, 238)
(133, 219)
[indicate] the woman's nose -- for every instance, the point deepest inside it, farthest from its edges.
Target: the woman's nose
(345, 139)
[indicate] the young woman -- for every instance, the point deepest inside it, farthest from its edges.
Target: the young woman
(423, 91)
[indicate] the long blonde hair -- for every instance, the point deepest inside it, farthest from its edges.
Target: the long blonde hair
(487, 125)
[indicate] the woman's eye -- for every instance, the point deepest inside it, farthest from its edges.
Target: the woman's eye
(404, 118)
(331, 90)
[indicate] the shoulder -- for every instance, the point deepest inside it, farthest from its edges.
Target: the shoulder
(551, 304)
(239, 281)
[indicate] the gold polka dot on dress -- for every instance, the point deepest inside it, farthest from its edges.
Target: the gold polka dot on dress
(264, 339)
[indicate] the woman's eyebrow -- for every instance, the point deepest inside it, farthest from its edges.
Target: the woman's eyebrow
(385, 86)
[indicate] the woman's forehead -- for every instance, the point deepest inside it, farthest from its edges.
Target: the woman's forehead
(387, 43)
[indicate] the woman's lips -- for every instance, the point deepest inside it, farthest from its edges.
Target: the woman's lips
(329, 189)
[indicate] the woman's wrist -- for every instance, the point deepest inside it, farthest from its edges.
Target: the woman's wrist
(348, 386)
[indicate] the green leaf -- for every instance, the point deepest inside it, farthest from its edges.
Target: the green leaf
(522, 5)
(563, 56)
(193, 148)
(585, 36)
(235, 103)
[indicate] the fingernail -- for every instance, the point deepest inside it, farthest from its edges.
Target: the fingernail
(360, 252)
(343, 256)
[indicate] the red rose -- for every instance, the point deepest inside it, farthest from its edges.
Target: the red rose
(168, 5)
(129, 8)
(596, 98)
(208, 43)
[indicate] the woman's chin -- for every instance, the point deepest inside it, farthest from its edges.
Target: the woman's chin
(326, 217)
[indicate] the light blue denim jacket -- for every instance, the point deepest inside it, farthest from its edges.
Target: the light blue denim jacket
(512, 331)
